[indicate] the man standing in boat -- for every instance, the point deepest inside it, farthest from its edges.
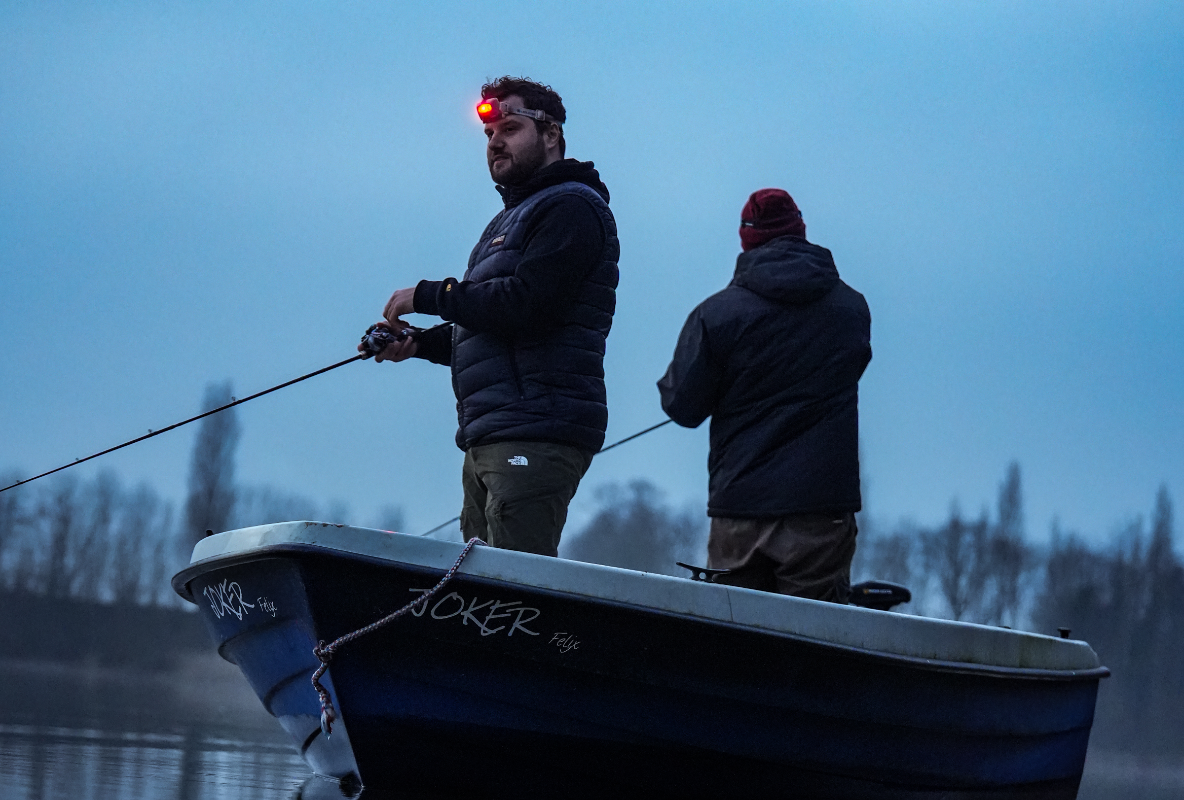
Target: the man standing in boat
(775, 360)
(527, 326)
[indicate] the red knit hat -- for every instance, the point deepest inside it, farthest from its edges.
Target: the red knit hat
(768, 214)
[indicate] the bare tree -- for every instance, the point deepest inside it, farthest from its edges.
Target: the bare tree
(130, 559)
(56, 517)
(1008, 558)
(954, 556)
(12, 514)
(1125, 602)
(1162, 566)
(888, 557)
(27, 575)
(91, 544)
(1073, 589)
(1155, 647)
(210, 502)
(634, 530)
(156, 589)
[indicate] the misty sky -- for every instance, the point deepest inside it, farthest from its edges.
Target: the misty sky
(208, 191)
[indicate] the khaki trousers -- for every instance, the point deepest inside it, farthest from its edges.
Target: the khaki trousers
(804, 555)
(517, 493)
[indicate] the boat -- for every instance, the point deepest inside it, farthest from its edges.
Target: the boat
(528, 676)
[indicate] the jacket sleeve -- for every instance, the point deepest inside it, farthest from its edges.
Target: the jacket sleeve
(435, 345)
(563, 244)
(690, 387)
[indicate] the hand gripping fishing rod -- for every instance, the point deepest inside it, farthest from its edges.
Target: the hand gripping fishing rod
(374, 341)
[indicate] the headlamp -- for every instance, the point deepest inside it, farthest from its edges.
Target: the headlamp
(492, 109)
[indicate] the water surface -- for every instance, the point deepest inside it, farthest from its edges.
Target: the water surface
(198, 733)
(54, 762)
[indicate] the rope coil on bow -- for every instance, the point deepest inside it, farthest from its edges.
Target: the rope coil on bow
(324, 652)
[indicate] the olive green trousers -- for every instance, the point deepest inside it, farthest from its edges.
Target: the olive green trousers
(804, 555)
(517, 493)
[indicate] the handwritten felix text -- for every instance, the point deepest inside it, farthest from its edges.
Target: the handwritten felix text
(266, 605)
(565, 641)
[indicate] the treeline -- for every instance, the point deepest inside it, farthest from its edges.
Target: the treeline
(100, 541)
(1125, 597)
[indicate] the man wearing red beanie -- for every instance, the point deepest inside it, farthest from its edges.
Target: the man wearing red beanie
(775, 360)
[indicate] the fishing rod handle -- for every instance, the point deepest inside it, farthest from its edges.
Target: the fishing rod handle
(378, 337)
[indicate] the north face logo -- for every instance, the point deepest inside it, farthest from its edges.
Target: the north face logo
(518, 461)
(498, 240)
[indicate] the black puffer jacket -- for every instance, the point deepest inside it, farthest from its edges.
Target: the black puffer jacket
(532, 314)
(775, 360)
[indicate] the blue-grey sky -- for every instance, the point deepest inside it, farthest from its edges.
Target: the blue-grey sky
(195, 192)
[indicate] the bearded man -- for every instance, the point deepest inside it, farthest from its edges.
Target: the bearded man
(527, 326)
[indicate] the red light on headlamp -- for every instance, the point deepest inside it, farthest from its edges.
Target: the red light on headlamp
(492, 110)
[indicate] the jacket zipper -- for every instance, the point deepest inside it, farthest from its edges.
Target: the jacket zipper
(460, 405)
(517, 375)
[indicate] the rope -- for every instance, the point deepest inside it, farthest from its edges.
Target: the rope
(598, 452)
(324, 652)
(150, 434)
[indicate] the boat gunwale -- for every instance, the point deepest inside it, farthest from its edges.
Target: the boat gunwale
(180, 583)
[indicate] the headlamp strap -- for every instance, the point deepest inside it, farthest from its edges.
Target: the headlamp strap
(534, 113)
(500, 109)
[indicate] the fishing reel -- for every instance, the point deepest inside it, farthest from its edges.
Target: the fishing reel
(378, 337)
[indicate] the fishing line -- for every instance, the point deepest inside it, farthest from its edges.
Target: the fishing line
(598, 452)
(634, 436)
(150, 434)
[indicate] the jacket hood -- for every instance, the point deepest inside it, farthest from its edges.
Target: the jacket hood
(787, 269)
(565, 171)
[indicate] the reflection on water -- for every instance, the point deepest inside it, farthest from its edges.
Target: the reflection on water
(45, 762)
(59, 762)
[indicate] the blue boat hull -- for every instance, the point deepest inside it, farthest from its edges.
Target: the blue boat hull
(502, 690)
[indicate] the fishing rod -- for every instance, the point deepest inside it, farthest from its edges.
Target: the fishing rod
(598, 452)
(374, 341)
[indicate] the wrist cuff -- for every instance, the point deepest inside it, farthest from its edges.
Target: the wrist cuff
(425, 298)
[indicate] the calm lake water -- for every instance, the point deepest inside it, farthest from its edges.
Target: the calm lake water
(50, 762)
(92, 734)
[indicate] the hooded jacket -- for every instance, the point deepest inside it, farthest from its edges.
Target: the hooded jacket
(775, 360)
(532, 314)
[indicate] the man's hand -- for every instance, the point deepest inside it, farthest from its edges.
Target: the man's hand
(402, 302)
(396, 351)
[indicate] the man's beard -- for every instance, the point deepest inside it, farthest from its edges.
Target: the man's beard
(522, 167)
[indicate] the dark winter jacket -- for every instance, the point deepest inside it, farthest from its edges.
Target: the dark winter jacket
(775, 360)
(532, 314)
